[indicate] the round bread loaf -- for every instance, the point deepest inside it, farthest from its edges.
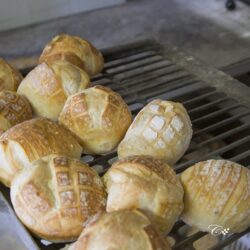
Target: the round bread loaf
(148, 184)
(217, 193)
(161, 129)
(13, 110)
(9, 77)
(98, 117)
(124, 230)
(31, 140)
(48, 86)
(76, 50)
(55, 195)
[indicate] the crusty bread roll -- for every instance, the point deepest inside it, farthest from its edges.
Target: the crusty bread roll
(217, 192)
(98, 117)
(75, 50)
(13, 110)
(148, 184)
(162, 129)
(55, 195)
(31, 140)
(48, 86)
(9, 77)
(123, 230)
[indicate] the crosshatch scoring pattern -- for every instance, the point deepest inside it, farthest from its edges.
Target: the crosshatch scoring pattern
(221, 124)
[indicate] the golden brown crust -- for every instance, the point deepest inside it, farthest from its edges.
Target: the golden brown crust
(75, 50)
(56, 195)
(48, 86)
(98, 117)
(10, 78)
(14, 109)
(30, 140)
(161, 129)
(217, 192)
(148, 184)
(124, 230)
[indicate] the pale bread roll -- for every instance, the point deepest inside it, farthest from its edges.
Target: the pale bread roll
(14, 109)
(76, 50)
(148, 184)
(98, 117)
(48, 86)
(217, 192)
(123, 230)
(10, 78)
(31, 140)
(161, 129)
(55, 196)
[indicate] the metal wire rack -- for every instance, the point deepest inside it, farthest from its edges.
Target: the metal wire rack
(218, 105)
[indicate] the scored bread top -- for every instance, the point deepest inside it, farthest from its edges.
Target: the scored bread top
(56, 195)
(98, 117)
(161, 129)
(48, 86)
(13, 109)
(9, 77)
(75, 50)
(30, 140)
(40, 137)
(124, 230)
(217, 192)
(148, 184)
(148, 164)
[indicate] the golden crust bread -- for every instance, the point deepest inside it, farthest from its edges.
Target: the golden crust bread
(75, 50)
(14, 109)
(48, 86)
(148, 184)
(98, 117)
(217, 192)
(10, 78)
(31, 140)
(161, 129)
(55, 195)
(122, 230)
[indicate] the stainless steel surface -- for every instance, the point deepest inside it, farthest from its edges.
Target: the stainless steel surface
(13, 235)
(219, 107)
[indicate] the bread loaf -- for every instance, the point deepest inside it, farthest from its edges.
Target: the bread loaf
(76, 50)
(217, 192)
(126, 230)
(55, 196)
(162, 129)
(98, 117)
(13, 110)
(31, 140)
(148, 184)
(48, 86)
(9, 77)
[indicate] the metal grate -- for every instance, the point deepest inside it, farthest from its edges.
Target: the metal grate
(219, 108)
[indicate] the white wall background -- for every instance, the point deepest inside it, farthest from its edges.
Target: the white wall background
(16, 13)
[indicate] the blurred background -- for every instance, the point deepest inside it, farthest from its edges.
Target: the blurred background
(207, 29)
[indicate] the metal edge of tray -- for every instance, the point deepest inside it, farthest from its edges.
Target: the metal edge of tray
(23, 233)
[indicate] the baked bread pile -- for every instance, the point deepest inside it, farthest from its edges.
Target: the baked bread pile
(56, 116)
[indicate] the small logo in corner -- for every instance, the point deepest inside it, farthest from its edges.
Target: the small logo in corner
(218, 230)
